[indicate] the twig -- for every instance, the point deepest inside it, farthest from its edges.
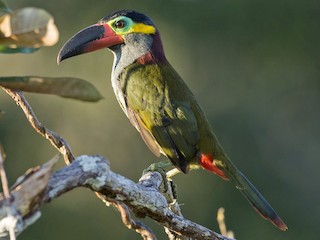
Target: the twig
(128, 221)
(4, 179)
(7, 196)
(222, 224)
(145, 232)
(58, 142)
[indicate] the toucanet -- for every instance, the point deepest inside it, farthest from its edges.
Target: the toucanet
(158, 102)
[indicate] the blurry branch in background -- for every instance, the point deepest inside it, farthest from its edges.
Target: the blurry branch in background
(7, 201)
(222, 224)
(129, 222)
(66, 87)
(25, 201)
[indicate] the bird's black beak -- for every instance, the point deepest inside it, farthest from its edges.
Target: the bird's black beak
(90, 39)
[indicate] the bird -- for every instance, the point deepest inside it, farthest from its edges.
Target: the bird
(158, 103)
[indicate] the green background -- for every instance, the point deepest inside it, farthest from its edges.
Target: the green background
(254, 67)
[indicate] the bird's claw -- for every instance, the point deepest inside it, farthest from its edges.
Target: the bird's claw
(158, 167)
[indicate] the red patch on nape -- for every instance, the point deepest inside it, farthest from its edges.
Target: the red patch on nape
(206, 161)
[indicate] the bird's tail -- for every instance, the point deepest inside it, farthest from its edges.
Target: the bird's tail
(255, 198)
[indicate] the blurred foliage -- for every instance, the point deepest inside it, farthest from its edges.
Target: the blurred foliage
(254, 67)
(4, 8)
(65, 87)
(24, 30)
(5, 49)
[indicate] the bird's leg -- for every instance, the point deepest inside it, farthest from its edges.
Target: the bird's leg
(170, 189)
(172, 172)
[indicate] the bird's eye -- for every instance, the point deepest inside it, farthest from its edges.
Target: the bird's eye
(120, 24)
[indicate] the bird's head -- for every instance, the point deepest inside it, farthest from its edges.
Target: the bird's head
(126, 29)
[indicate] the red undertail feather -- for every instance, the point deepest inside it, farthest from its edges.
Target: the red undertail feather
(257, 201)
(207, 162)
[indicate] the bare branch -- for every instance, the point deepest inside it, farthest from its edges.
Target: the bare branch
(143, 198)
(128, 221)
(145, 232)
(59, 143)
(222, 224)
(4, 179)
(9, 211)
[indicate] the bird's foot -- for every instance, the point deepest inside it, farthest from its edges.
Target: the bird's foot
(156, 166)
(173, 188)
(159, 167)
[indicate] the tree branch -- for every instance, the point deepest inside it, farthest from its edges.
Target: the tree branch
(143, 198)
(10, 212)
(128, 221)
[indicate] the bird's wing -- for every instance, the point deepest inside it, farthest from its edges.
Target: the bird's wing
(167, 124)
(146, 135)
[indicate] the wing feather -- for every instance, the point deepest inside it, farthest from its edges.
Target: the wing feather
(146, 135)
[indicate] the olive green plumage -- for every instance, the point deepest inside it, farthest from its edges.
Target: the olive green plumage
(157, 97)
